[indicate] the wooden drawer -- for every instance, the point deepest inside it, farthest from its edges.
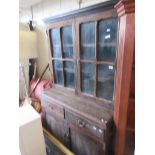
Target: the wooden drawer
(53, 109)
(88, 127)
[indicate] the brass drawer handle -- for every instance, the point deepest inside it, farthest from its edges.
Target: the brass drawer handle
(81, 124)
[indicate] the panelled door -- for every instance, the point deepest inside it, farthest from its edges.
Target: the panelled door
(84, 145)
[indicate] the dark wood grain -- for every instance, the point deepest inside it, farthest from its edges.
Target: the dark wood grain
(85, 125)
(62, 56)
(80, 106)
(65, 114)
(90, 108)
(50, 54)
(98, 62)
(96, 56)
(60, 24)
(91, 147)
(58, 128)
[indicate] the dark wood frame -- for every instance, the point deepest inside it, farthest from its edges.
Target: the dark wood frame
(82, 12)
(93, 18)
(55, 108)
(59, 25)
(125, 10)
(75, 23)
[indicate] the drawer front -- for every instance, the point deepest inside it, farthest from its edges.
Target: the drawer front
(53, 109)
(83, 124)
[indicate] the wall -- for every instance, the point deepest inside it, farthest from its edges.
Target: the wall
(22, 92)
(48, 8)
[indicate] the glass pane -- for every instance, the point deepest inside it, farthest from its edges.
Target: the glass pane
(56, 45)
(87, 78)
(88, 40)
(67, 42)
(69, 73)
(107, 39)
(58, 71)
(105, 82)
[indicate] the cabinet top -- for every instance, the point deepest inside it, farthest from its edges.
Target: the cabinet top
(82, 11)
(86, 108)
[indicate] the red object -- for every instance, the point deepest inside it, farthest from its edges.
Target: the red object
(43, 85)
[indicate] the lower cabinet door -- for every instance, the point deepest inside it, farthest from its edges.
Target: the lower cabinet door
(51, 149)
(83, 145)
(59, 129)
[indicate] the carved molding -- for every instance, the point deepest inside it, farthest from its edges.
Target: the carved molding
(125, 7)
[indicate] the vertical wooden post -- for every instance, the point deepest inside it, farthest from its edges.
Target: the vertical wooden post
(125, 52)
(96, 56)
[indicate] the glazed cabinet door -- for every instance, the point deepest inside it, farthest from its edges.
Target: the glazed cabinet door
(84, 145)
(62, 53)
(96, 46)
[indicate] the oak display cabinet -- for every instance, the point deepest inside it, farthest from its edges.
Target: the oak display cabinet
(78, 110)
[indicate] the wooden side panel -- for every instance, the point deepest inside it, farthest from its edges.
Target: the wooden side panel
(130, 127)
(130, 143)
(131, 114)
(125, 54)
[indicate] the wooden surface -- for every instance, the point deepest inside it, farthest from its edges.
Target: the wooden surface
(82, 12)
(89, 106)
(76, 33)
(125, 56)
(80, 106)
(67, 117)
(57, 143)
(130, 126)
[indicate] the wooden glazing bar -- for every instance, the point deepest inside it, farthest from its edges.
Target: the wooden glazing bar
(63, 74)
(75, 55)
(50, 49)
(54, 79)
(63, 59)
(98, 62)
(79, 57)
(96, 56)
